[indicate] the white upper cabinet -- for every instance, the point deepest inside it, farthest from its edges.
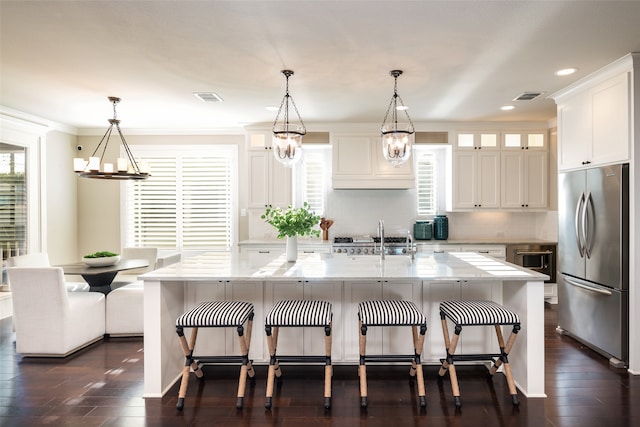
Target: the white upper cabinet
(524, 140)
(358, 162)
(594, 119)
(269, 180)
(525, 180)
(525, 170)
(476, 171)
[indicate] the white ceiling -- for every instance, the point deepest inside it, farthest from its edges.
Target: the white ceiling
(462, 60)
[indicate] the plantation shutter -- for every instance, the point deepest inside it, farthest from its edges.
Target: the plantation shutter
(426, 182)
(314, 178)
(186, 204)
(13, 204)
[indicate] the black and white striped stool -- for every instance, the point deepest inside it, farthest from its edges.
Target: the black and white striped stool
(392, 313)
(478, 313)
(298, 313)
(216, 314)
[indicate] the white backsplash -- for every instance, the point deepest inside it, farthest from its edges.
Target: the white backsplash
(356, 212)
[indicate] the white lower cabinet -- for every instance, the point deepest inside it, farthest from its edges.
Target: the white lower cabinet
(473, 339)
(386, 340)
(344, 297)
(305, 341)
(224, 341)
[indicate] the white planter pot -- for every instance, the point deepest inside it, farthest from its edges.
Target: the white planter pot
(292, 249)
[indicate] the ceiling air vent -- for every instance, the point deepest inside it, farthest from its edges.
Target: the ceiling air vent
(207, 97)
(527, 96)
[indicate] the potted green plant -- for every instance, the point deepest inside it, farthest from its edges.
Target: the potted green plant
(291, 223)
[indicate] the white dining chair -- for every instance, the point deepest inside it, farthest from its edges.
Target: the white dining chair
(48, 320)
(41, 259)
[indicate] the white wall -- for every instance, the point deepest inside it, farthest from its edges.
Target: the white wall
(62, 199)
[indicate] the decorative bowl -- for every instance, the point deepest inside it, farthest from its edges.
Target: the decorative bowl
(102, 261)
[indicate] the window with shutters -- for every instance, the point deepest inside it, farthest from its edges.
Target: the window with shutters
(312, 177)
(430, 179)
(188, 202)
(13, 202)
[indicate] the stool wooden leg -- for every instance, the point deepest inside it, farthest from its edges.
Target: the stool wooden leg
(363, 367)
(250, 371)
(418, 344)
(448, 364)
(328, 370)
(447, 343)
(414, 367)
(244, 369)
(189, 363)
(504, 360)
(274, 368)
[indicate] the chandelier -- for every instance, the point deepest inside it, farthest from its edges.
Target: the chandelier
(287, 138)
(397, 138)
(95, 167)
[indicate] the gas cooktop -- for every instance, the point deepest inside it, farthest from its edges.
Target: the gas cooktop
(367, 245)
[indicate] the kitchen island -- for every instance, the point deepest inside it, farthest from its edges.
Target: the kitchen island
(263, 279)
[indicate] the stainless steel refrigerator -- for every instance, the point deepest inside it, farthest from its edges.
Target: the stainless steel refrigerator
(593, 259)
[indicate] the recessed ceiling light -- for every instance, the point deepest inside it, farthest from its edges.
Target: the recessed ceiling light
(507, 107)
(566, 71)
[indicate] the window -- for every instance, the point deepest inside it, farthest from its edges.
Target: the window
(313, 176)
(13, 201)
(430, 168)
(188, 202)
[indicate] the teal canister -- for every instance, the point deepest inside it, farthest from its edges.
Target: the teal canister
(440, 227)
(422, 230)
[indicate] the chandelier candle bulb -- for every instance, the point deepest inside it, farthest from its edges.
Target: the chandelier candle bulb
(94, 164)
(144, 166)
(122, 165)
(79, 164)
(108, 168)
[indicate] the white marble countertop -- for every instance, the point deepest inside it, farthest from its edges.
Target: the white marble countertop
(453, 241)
(256, 266)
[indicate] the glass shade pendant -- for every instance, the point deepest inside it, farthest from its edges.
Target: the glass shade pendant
(287, 137)
(97, 168)
(397, 136)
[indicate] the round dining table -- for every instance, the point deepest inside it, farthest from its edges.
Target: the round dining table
(99, 279)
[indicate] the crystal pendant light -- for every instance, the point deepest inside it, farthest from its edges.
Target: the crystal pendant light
(397, 137)
(97, 168)
(287, 138)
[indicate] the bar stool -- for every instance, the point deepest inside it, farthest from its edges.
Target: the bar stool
(392, 313)
(478, 313)
(298, 313)
(216, 314)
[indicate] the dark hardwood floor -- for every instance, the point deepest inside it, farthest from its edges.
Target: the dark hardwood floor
(102, 386)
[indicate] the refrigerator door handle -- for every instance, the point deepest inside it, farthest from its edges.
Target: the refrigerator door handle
(589, 225)
(576, 223)
(588, 288)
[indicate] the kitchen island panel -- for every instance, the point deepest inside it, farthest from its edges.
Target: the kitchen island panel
(399, 339)
(527, 355)
(345, 281)
(355, 292)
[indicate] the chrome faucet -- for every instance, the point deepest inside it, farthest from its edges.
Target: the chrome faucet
(409, 245)
(381, 234)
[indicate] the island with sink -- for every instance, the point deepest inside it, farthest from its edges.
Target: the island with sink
(264, 278)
